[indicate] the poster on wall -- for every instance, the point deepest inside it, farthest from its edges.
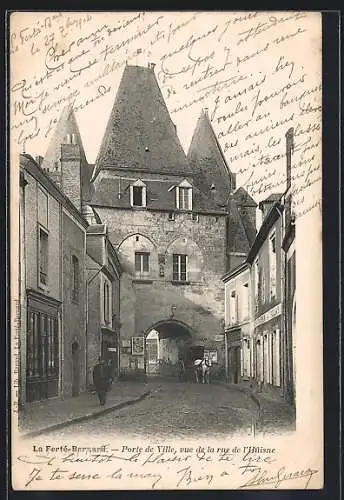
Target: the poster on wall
(138, 346)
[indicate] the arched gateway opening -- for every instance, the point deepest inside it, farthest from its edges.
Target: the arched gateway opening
(168, 343)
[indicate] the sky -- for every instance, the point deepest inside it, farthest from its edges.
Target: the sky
(245, 68)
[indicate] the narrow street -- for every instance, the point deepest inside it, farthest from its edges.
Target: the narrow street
(175, 410)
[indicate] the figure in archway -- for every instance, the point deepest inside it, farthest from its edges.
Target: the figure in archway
(181, 369)
(202, 369)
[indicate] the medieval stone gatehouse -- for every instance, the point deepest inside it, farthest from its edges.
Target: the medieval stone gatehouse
(176, 220)
(167, 216)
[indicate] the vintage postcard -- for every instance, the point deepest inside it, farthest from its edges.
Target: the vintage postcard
(166, 250)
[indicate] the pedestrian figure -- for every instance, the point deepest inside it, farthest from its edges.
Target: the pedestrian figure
(101, 380)
(181, 369)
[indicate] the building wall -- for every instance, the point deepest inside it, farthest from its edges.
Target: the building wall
(290, 304)
(93, 317)
(238, 326)
(266, 301)
(42, 209)
(201, 302)
(267, 361)
(146, 299)
(74, 312)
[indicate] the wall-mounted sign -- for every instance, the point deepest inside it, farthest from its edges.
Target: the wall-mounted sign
(210, 356)
(219, 338)
(138, 346)
(112, 349)
(272, 313)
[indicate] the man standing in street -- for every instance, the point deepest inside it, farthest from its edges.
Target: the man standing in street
(101, 380)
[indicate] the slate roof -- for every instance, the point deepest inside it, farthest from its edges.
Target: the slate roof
(243, 202)
(67, 124)
(242, 198)
(87, 185)
(208, 162)
(140, 133)
(96, 229)
(270, 199)
(238, 240)
(160, 195)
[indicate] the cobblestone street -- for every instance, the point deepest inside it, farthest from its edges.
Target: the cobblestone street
(176, 410)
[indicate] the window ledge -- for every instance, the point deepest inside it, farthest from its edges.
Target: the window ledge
(43, 287)
(174, 282)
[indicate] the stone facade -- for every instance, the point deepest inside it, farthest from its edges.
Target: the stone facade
(52, 231)
(238, 324)
(180, 219)
(74, 321)
(103, 301)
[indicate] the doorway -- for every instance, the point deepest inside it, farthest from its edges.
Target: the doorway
(236, 364)
(75, 369)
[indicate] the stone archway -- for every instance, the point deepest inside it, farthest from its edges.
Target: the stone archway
(167, 342)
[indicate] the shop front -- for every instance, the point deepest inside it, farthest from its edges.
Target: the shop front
(267, 349)
(42, 347)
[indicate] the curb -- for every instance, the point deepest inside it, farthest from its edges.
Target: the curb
(89, 416)
(250, 393)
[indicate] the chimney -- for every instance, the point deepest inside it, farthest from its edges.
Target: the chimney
(265, 206)
(39, 160)
(289, 150)
(213, 192)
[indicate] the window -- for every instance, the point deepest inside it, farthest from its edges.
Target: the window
(262, 286)
(106, 303)
(244, 301)
(152, 347)
(272, 263)
(42, 350)
(75, 278)
(179, 267)
(184, 196)
(43, 257)
(256, 282)
(138, 194)
(195, 217)
(171, 216)
(233, 307)
(142, 262)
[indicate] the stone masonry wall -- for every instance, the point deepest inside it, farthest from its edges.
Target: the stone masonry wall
(145, 300)
(74, 312)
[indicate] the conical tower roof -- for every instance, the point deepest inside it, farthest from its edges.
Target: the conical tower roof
(243, 198)
(208, 161)
(67, 125)
(238, 239)
(140, 134)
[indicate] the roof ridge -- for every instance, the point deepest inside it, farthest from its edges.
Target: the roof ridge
(140, 132)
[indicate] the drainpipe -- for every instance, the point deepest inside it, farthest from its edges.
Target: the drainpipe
(283, 335)
(226, 356)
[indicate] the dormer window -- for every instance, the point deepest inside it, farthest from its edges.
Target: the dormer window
(138, 194)
(184, 196)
